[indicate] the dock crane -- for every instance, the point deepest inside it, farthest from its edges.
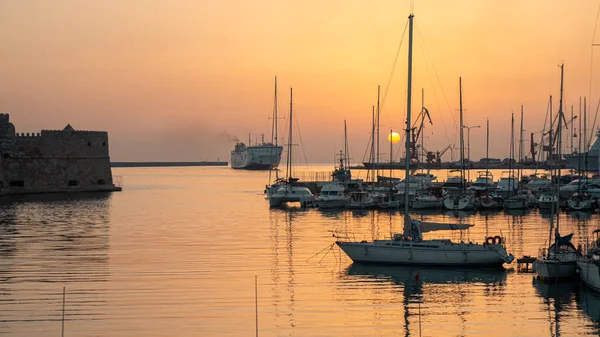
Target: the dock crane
(416, 133)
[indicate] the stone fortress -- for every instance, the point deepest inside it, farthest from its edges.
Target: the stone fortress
(54, 161)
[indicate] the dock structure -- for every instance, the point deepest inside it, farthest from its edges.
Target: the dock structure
(523, 264)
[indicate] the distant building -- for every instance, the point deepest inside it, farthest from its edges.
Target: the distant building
(490, 161)
(53, 161)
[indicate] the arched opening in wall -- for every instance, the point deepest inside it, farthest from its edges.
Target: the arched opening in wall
(103, 143)
(5, 155)
(101, 182)
(73, 183)
(17, 183)
(89, 143)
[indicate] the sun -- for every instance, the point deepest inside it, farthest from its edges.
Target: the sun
(394, 137)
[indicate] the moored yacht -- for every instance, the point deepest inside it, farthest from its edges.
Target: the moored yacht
(588, 265)
(410, 247)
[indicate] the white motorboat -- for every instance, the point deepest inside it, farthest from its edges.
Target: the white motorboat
(291, 192)
(386, 198)
(454, 180)
(517, 202)
(360, 199)
(588, 265)
(483, 183)
(507, 186)
(332, 195)
(459, 202)
(546, 200)
(538, 183)
(410, 248)
(426, 201)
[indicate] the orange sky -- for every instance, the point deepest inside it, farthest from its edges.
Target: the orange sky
(178, 80)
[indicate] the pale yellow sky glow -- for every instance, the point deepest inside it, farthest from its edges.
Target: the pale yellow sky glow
(178, 80)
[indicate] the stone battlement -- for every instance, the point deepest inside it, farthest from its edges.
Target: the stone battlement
(53, 160)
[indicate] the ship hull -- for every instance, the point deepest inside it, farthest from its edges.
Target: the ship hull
(589, 274)
(425, 253)
(261, 157)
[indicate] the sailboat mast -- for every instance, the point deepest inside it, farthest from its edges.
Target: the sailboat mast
(511, 151)
(289, 159)
(408, 107)
(560, 120)
(520, 167)
(462, 147)
(422, 126)
(378, 112)
(372, 155)
(274, 131)
(487, 147)
(346, 160)
(274, 134)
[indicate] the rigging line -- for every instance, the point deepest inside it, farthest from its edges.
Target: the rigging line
(592, 58)
(433, 87)
(389, 82)
(543, 133)
(593, 127)
(301, 141)
(438, 78)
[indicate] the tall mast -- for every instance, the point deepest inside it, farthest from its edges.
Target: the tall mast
(585, 142)
(408, 107)
(274, 131)
(520, 167)
(289, 159)
(372, 155)
(422, 125)
(559, 151)
(511, 151)
(487, 147)
(378, 113)
(347, 161)
(550, 138)
(462, 144)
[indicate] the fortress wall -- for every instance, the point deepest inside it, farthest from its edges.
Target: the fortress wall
(53, 160)
(43, 174)
(57, 144)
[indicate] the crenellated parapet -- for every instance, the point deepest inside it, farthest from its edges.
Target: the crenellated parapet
(53, 160)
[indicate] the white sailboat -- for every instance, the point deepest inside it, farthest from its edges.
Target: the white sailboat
(289, 190)
(559, 261)
(588, 265)
(409, 247)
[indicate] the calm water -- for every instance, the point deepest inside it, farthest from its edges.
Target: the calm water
(176, 254)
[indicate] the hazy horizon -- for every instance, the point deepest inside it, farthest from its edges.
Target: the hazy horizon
(182, 80)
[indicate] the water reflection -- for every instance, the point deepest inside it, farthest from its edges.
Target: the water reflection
(558, 297)
(282, 243)
(589, 302)
(436, 291)
(49, 241)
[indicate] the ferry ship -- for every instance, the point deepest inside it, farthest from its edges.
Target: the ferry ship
(264, 156)
(586, 161)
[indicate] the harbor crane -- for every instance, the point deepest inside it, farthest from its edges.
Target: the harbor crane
(416, 134)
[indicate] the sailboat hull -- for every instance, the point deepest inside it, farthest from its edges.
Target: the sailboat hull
(554, 269)
(463, 202)
(426, 253)
(589, 273)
